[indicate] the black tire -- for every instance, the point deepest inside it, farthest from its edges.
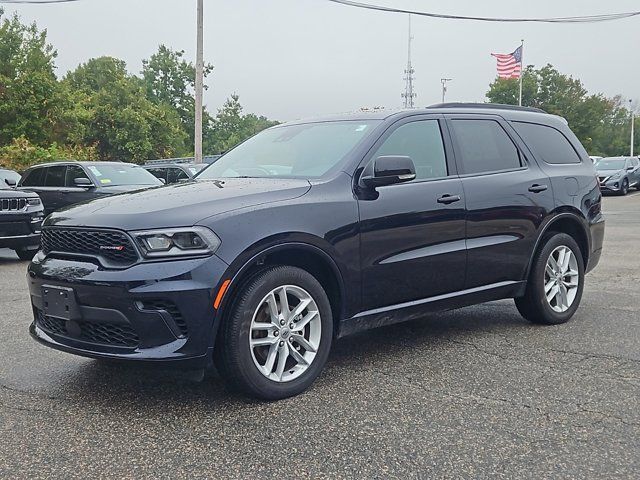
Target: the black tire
(534, 305)
(624, 188)
(233, 356)
(26, 255)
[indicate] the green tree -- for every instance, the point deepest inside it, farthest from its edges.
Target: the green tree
(118, 118)
(170, 80)
(230, 126)
(598, 121)
(30, 98)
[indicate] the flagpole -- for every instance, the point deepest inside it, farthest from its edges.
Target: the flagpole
(521, 71)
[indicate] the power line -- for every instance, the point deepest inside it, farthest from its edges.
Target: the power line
(577, 19)
(35, 2)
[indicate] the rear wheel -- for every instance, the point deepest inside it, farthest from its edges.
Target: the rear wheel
(277, 338)
(555, 284)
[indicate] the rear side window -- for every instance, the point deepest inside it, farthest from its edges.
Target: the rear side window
(547, 143)
(175, 175)
(485, 147)
(422, 141)
(159, 173)
(34, 178)
(55, 176)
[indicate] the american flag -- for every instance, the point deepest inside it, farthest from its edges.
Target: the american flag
(509, 64)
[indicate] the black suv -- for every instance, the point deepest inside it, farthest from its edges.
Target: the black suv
(173, 172)
(21, 217)
(314, 230)
(61, 184)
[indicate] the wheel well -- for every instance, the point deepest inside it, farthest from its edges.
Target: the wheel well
(573, 228)
(313, 263)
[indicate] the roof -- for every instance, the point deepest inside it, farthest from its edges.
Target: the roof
(508, 111)
(80, 162)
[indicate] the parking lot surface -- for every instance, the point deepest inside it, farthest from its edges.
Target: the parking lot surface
(472, 393)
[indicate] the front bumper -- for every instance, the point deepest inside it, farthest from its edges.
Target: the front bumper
(156, 312)
(20, 230)
(612, 186)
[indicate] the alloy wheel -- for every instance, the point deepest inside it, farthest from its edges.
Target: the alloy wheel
(285, 333)
(561, 279)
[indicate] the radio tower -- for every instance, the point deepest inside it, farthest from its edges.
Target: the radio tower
(408, 94)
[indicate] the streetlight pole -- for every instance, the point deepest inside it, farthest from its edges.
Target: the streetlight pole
(632, 126)
(444, 87)
(199, 83)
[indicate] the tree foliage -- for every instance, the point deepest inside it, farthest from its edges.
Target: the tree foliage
(99, 111)
(602, 124)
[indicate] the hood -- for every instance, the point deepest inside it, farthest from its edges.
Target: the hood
(608, 173)
(178, 205)
(11, 193)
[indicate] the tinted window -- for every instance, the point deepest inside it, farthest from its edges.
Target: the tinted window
(175, 175)
(485, 146)
(73, 172)
(55, 176)
(422, 141)
(160, 173)
(547, 143)
(34, 178)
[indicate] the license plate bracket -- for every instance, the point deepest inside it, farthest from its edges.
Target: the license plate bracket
(60, 302)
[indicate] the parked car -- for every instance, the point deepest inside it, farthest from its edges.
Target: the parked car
(21, 216)
(174, 172)
(314, 230)
(62, 184)
(8, 177)
(618, 174)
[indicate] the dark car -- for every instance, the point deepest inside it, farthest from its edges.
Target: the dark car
(8, 177)
(21, 216)
(618, 174)
(61, 184)
(174, 172)
(311, 231)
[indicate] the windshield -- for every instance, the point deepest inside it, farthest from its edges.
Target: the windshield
(302, 151)
(611, 164)
(124, 174)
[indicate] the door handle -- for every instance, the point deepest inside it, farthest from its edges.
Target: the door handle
(448, 198)
(535, 188)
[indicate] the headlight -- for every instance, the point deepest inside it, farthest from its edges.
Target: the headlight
(33, 201)
(615, 176)
(175, 242)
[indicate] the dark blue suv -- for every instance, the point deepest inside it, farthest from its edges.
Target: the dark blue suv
(314, 230)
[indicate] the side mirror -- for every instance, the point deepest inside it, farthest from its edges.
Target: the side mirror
(389, 170)
(630, 168)
(11, 182)
(162, 180)
(83, 182)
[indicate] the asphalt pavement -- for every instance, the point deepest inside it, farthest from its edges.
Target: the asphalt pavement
(472, 393)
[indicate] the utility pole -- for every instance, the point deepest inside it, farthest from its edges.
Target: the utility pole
(632, 125)
(199, 83)
(521, 71)
(408, 94)
(444, 87)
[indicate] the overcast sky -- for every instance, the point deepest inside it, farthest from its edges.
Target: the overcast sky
(298, 58)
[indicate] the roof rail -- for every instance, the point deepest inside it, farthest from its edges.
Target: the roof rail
(167, 161)
(494, 106)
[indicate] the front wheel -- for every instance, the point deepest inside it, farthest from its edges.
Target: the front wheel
(277, 337)
(25, 254)
(624, 189)
(555, 284)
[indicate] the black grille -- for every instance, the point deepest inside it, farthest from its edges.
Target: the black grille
(114, 247)
(109, 334)
(12, 204)
(172, 309)
(101, 333)
(14, 229)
